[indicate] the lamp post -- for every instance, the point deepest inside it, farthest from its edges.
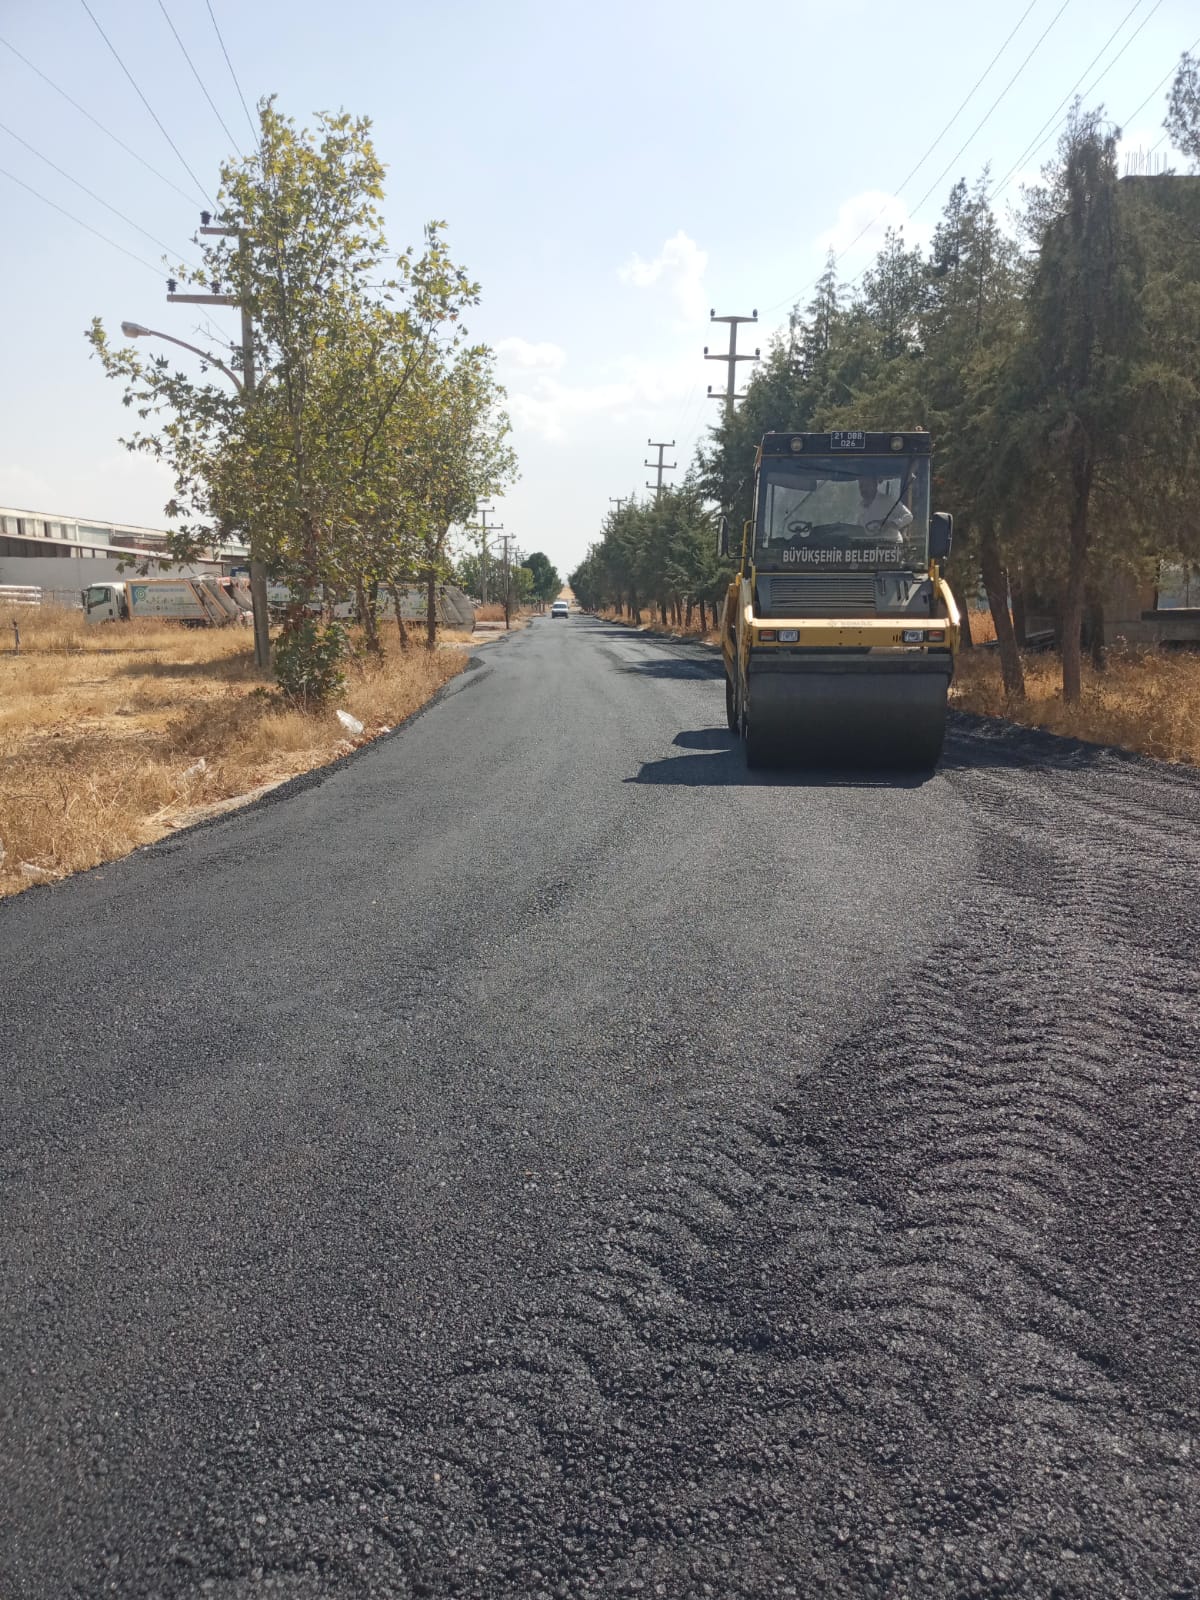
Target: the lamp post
(134, 330)
(258, 581)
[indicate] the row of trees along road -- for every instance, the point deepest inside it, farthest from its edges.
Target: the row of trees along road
(531, 577)
(1058, 371)
(375, 423)
(661, 553)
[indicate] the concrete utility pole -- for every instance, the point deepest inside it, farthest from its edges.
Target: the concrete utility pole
(732, 358)
(613, 501)
(507, 583)
(482, 529)
(669, 467)
(258, 567)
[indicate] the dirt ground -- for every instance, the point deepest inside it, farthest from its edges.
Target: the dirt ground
(110, 737)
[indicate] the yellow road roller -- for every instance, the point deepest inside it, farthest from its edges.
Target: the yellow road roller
(839, 632)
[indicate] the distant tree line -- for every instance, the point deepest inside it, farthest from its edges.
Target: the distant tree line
(1058, 373)
(661, 553)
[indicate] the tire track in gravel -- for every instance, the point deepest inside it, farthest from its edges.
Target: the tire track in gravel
(913, 1330)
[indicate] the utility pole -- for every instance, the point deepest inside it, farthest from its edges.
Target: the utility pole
(732, 358)
(507, 583)
(670, 466)
(613, 501)
(482, 529)
(258, 567)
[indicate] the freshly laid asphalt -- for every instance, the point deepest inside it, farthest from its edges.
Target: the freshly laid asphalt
(540, 1157)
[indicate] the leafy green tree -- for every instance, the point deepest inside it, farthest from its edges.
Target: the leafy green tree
(1183, 112)
(372, 412)
(546, 582)
(1088, 406)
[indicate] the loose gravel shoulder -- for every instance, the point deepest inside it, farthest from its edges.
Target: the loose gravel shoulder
(542, 1158)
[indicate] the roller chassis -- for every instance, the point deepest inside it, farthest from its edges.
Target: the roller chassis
(848, 692)
(839, 632)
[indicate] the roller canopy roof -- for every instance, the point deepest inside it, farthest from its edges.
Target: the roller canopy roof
(849, 442)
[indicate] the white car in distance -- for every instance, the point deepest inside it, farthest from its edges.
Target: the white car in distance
(560, 608)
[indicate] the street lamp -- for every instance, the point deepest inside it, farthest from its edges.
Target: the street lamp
(134, 330)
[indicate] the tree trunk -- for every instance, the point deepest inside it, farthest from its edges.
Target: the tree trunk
(995, 581)
(687, 615)
(964, 611)
(1075, 593)
(366, 615)
(1070, 629)
(261, 613)
(703, 617)
(1016, 582)
(431, 610)
(394, 591)
(635, 610)
(662, 611)
(1097, 643)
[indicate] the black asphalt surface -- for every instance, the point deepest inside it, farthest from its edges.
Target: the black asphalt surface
(541, 1158)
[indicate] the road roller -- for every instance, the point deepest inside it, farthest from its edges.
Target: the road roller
(839, 631)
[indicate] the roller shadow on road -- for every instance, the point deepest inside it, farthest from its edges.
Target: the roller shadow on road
(717, 761)
(672, 667)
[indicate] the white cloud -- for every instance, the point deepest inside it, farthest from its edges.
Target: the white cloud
(550, 406)
(542, 357)
(863, 221)
(681, 265)
(637, 389)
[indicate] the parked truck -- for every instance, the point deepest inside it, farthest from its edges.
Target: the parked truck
(200, 602)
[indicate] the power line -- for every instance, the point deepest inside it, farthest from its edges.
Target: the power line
(1050, 123)
(1029, 149)
(197, 76)
(987, 114)
(232, 73)
(129, 222)
(54, 206)
(1195, 42)
(148, 106)
(1040, 140)
(793, 299)
(83, 111)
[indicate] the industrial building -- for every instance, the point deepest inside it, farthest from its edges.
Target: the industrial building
(61, 555)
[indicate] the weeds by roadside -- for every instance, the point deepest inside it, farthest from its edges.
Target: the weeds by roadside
(654, 624)
(1146, 701)
(111, 736)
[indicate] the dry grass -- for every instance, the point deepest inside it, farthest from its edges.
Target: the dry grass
(983, 629)
(652, 623)
(111, 736)
(494, 612)
(1147, 701)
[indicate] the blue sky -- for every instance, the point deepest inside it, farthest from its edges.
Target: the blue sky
(608, 173)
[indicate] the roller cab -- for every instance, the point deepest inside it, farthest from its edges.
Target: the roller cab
(839, 633)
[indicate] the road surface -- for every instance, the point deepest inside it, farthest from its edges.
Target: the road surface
(541, 1158)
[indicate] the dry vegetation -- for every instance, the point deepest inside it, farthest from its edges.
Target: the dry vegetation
(111, 736)
(1147, 701)
(654, 624)
(493, 612)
